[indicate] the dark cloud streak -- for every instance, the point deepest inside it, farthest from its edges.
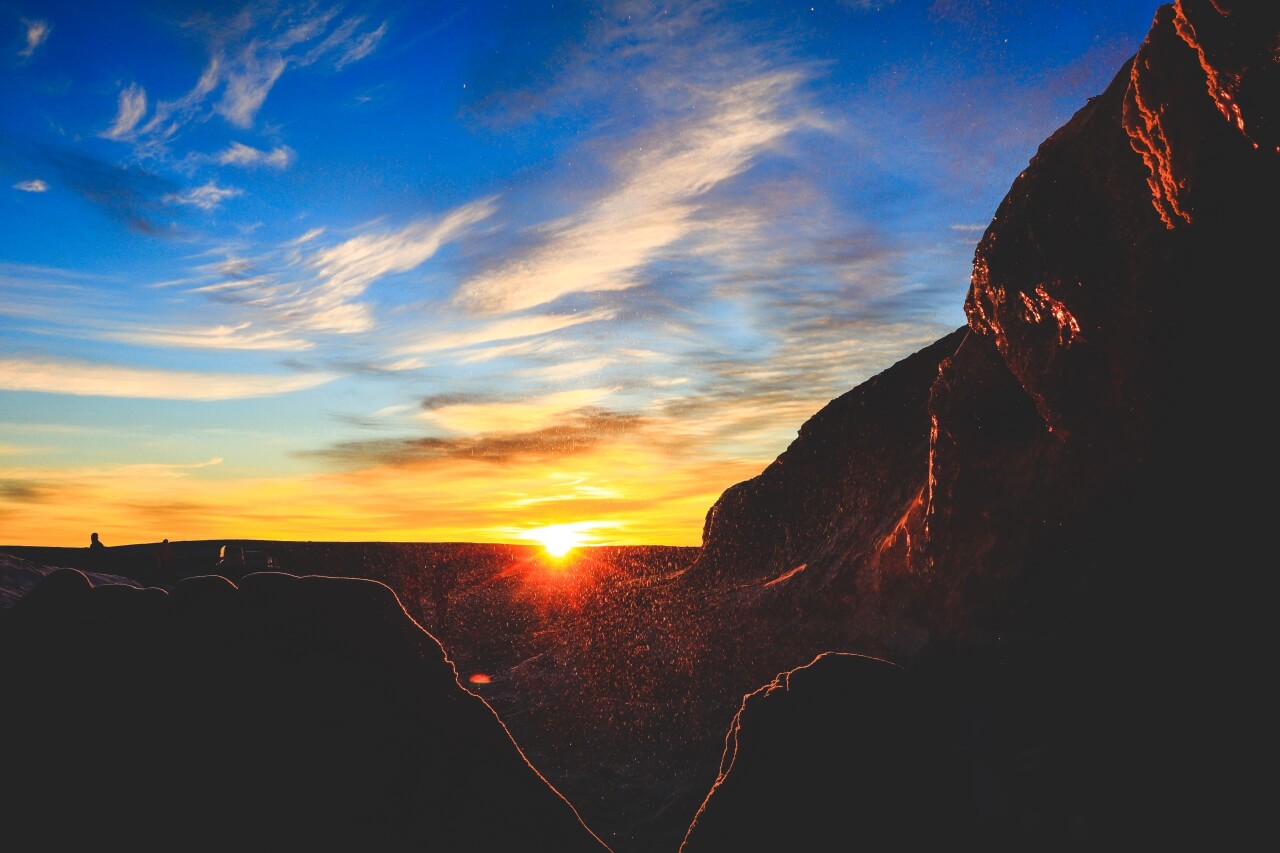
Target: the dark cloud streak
(128, 194)
(25, 491)
(578, 432)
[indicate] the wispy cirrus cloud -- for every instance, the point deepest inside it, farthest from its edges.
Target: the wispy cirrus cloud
(131, 108)
(495, 331)
(344, 271)
(248, 53)
(247, 86)
(654, 205)
(66, 304)
(37, 33)
(304, 287)
(240, 336)
(208, 196)
(568, 370)
(346, 44)
(83, 378)
(35, 185)
(239, 154)
(305, 237)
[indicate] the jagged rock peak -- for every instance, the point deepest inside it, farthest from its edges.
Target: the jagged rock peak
(1234, 48)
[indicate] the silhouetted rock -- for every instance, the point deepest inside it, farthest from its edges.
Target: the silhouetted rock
(935, 504)
(1039, 538)
(290, 713)
(841, 754)
(818, 504)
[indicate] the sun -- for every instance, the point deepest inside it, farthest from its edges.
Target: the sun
(558, 539)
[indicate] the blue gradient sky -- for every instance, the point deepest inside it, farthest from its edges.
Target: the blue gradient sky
(455, 271)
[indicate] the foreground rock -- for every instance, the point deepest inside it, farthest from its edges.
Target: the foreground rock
(843, 753)
(19, 576)
(289, 713)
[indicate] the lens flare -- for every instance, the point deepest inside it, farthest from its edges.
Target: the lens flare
(558, 539)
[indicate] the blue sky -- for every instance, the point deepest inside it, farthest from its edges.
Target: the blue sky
(458, 271)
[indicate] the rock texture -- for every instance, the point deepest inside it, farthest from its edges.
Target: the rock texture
(819, 504)
(946, 501)
(289, 713)
(1033, 558)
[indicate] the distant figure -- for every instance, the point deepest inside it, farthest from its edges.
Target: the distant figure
(164, 562)
(444, 577)
(97, 551)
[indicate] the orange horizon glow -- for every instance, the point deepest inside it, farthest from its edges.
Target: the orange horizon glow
(617, 494)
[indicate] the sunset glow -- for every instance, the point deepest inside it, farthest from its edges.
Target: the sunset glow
(559, 539)
(399, 272)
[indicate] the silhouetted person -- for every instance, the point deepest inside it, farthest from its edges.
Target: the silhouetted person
(164, 562)
(97, 552)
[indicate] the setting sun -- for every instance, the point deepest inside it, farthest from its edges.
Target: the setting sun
(559, 539)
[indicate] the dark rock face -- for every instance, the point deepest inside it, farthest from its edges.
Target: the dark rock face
(935, 519)
(289, 713)
(819, 504)
(1039, 577)
(852, 753)
(841, 754)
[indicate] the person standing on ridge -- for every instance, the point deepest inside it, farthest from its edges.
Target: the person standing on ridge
(164, 562)
(97, 551)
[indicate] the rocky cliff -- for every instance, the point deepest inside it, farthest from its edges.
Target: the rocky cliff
(1020, 515)
(1032, 459)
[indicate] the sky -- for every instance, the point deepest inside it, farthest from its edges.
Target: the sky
(460, 271)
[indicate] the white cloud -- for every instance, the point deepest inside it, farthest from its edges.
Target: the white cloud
(507, 329)
(360, 47)
(239, 154)
(529, 348)
(248, 81)
(36, 35)
(347, 269)
(345, 45)
(170, 116)
(567, 371)
(33, 186)
(305, 238)
(132, 106)
(241, 336)
(206, 197)
(603, 247)
(82, 378)
(247, 56)
(867, 5)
